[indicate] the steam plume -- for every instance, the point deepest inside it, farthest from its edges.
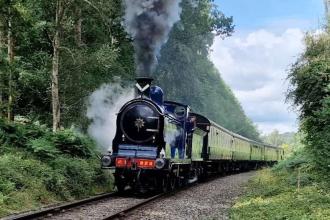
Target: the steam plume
(103, 104)
(149, 23)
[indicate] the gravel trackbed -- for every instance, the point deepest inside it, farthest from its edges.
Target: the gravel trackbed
(210, 200)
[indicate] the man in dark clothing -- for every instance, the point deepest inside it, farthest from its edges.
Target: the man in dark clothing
(178, 144)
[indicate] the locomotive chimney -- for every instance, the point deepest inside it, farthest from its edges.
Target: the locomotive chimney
(143, 85)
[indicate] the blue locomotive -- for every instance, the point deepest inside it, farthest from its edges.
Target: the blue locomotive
(163, 144)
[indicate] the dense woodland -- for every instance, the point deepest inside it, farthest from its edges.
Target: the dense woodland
(53, 54)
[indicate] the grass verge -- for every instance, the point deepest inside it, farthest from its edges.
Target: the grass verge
(284, 193)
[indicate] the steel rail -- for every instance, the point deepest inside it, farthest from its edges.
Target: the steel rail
(56, 209)
(122, 214)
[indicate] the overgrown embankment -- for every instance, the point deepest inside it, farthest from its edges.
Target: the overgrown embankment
(291, 190)
(38, 167)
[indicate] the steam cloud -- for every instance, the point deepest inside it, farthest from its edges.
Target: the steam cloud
(103, 105)
(149, 23)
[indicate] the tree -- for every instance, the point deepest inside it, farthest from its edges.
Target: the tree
(85, 47)
(78, 25)
(10, 46)
(310, 92)
(55, 69)
(2, 64)
(11, 22)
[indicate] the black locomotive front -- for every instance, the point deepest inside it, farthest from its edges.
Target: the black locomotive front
(140, 122)
(139, 140)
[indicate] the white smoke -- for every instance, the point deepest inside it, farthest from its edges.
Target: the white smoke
(103, 105)
(149, 23)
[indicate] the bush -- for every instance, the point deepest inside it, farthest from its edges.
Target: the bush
(44, 143)
(38, 167)
(73, 144)
(22, 183)
(43, 147)
(17, 135)
(78, 175)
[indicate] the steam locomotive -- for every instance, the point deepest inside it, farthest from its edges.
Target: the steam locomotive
(163, 145)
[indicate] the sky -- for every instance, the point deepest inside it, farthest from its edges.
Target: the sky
(255, 61)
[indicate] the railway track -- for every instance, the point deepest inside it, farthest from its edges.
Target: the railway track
(61, 211)
(122, 214)
(57, 209)
(106, 206)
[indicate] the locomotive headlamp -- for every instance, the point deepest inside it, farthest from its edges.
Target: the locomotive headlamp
(106, 161)
(160, 163)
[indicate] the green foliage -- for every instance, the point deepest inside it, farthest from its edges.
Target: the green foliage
(77, 174)
(18, 135)
(44, 143)
(310, 91)
(22, 183)
(43, 148)
(73, 144)
(275, 195)
(293, 189)
(103, 53)
(38, 167)
(296, 160)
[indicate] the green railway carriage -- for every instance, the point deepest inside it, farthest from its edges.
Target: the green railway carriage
(226, 145)
(273, 153)
(215, 143)
(220, 144)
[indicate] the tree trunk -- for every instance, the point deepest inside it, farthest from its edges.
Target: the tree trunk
(10, 45)
(78, 24)
(2, 43)
(2, 35)
(55, 69)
